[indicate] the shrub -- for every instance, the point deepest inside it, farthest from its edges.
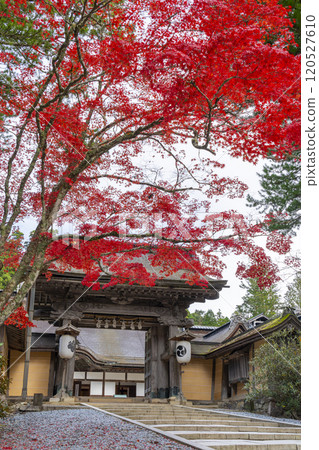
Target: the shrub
(4, 382)
(276, 373)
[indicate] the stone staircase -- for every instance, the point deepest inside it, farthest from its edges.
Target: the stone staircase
(209, 429)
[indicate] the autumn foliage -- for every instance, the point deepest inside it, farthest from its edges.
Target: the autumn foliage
(102, 95)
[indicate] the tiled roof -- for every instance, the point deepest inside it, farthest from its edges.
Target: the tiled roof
(201, 350)
(258, 331)
(204, 347)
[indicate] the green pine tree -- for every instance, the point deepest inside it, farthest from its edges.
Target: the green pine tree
(208, 318)
(292, 297)
(258, 301)
(18, 33)
(280, 194)
(295, 16)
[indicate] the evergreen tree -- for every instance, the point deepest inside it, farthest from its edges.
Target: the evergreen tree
(258, 301)
(295, 15)
(23, 31)
(208, 318)
(280, 195)
(293, 295)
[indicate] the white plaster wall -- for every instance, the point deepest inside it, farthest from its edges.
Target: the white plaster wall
(94, 375)
(115, 376)
(96, 388)
(109, 388)
(135, 377)
(140, 392)
(79, 375)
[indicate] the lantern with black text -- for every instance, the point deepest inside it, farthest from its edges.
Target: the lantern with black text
(67, 342)
(183, 352)
(67, 346)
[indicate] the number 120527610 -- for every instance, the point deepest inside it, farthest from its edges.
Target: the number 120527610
(310, 48)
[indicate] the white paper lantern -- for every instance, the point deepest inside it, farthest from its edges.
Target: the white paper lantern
(66, 346)
(183, 352)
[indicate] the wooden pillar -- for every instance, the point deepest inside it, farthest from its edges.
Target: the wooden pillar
(159, 384)
(225, 383)
(213, 379)
(162, 363)
(174, 367)
(51, 375)
(154, 357)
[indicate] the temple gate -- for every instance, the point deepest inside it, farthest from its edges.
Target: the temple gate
(159, 310)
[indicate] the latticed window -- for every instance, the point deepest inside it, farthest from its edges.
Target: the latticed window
(238, 368)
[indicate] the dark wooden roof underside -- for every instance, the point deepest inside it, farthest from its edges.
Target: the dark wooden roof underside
(67, 288)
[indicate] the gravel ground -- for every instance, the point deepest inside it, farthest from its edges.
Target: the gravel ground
(77, 429)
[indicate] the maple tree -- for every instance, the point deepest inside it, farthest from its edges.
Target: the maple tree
(120, 84)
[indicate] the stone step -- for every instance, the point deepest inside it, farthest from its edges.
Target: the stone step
(208, 422)
(210, 429)
(174, 419)
(139, 405)
(218, 427)
(173, 412)
(186, 420)
(144, 410)
(250, 445)
(258, 436)
(164, 415)
(159, 413)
